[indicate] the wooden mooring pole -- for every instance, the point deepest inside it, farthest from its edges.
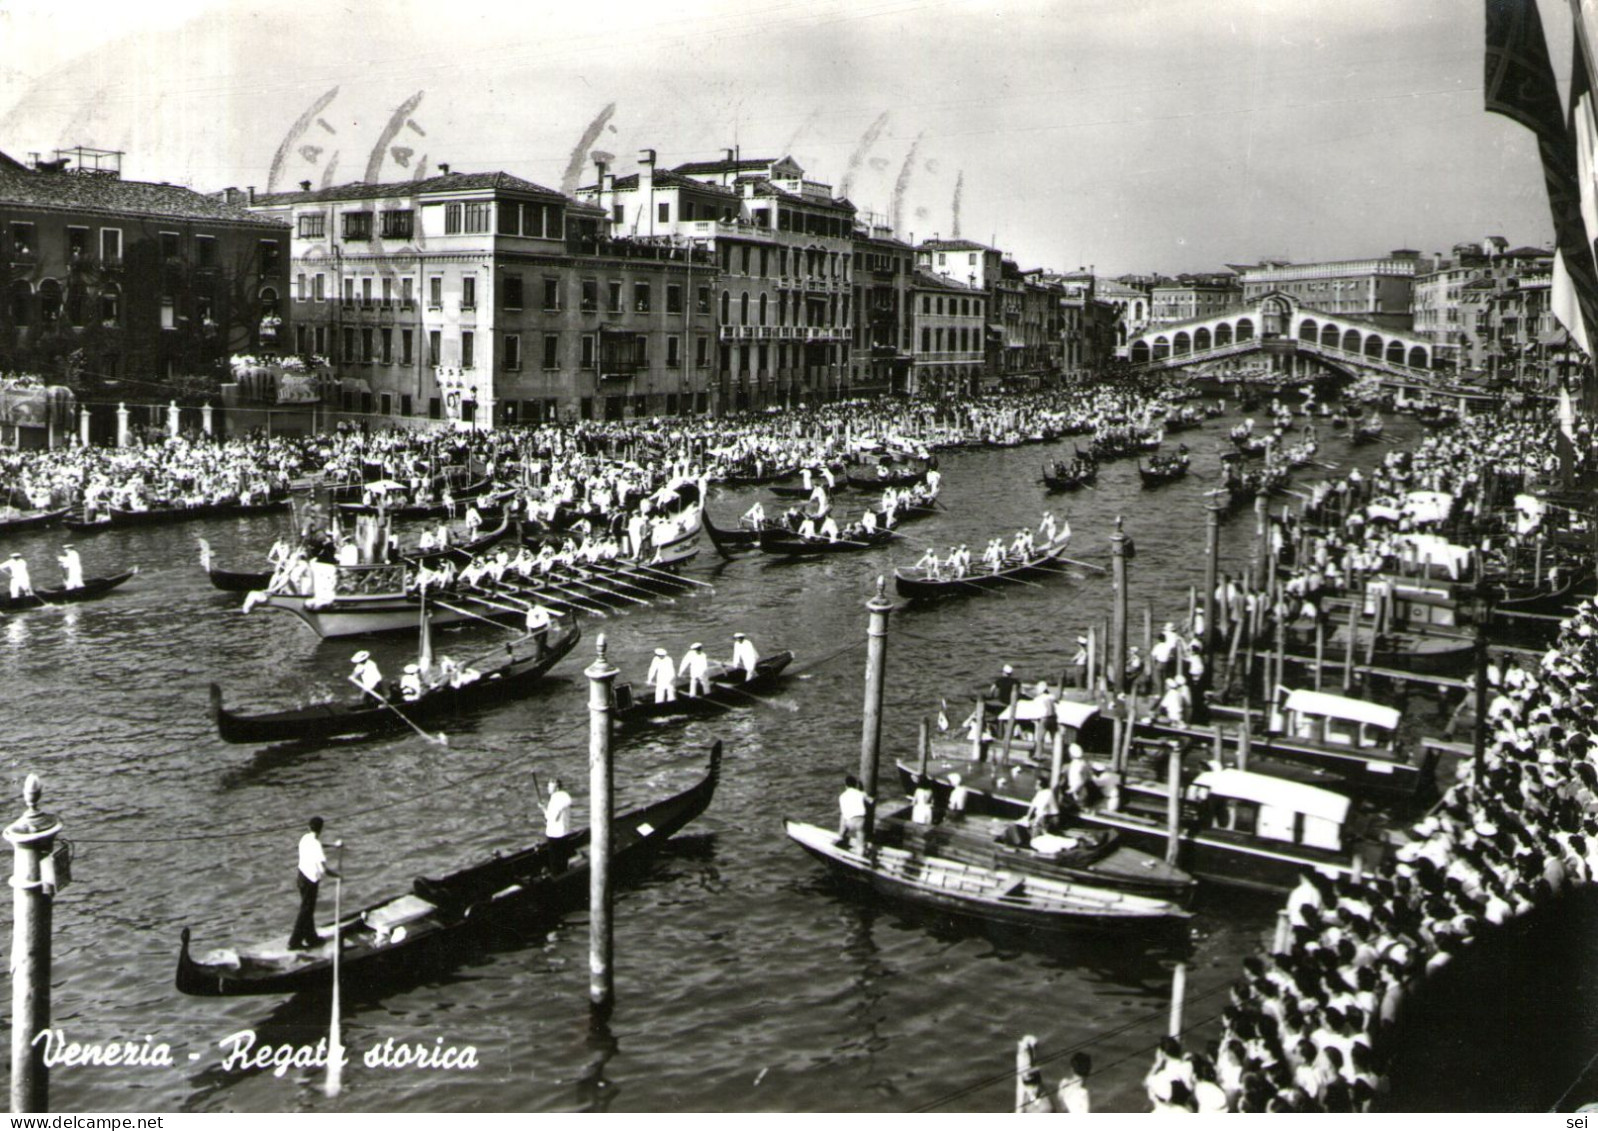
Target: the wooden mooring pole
(33, 881)
(1117, 664)
(1178, 998)
(602, 810)
(1212, 553)
(871, 719)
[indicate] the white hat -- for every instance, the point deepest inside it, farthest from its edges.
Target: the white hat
(954, 779)
(1007, 668)
(1076, 751)
(413, 667)
(737, 636)
(360, 657)
(660, 651)
(695, 646)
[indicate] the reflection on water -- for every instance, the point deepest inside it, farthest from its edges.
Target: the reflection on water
(744, 979)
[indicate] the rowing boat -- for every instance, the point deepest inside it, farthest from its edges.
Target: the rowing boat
(994, 895)
(728, 688)
(92, 589)
(782, 543)
(436, 923)
(915, 583)
(15, 521)
(365, 714)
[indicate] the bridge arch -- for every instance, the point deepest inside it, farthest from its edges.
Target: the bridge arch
(1202, 339)
(1162, 348)
(1329, 335)
(1245, 329)
(1395, 351)
(1373, 346)
(1182, 343)
(1140, 352)
(1418, 358)
(1309, 330)
(1223, 334)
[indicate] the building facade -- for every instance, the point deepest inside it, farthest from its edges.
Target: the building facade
(948, 323)
(1187, 297)
(1487, 309)
(153, 286)
(884, 268)
(484, 299)
(1378, 291)
(784, 247)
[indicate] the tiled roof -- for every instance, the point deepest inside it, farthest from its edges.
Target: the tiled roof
(724, 166)
(666, 178)
(449, 182)
(765, 188)
(1528, 253)
(110, 195)
(954, 245)
(929, 282)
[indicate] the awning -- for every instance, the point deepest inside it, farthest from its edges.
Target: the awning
(1276, 792)
(1325, 705)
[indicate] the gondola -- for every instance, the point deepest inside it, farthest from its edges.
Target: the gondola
(362, 714)
(1082, 472)
(1365, 433)
(913, 582)
(782, 543)
(477, 493)
(903, 478)
(92, 589)
(754, 479)
(908, 510)
(30, 520)
(730, 542)
(438, 922)
(1163, 471)
(728, 688)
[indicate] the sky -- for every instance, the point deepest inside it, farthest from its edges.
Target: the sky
(1126, 135)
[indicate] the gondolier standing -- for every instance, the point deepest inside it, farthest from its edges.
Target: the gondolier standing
(21, 583)
(367, 675)
(72, 566)
(313, 866)
(662, 677)
(557, 811)
(696, 666)
(744, 655)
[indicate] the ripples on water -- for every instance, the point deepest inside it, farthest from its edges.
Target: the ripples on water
(745, 980)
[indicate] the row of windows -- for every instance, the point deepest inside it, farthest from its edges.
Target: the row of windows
(765, 261)
(960, 339)
(825, 313)
(759, 357)
(80, 242)
(368, 345)
(933, 304)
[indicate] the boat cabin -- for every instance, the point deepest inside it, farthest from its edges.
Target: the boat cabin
(1323, 719)
(1268, 808)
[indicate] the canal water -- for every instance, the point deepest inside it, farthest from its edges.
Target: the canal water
(745, 980)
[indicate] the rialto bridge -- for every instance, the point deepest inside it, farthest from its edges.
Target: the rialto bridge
(1286, 332)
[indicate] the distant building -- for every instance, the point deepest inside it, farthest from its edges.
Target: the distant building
(1187, 297)
(784, 246)
(1377, 291)
(133, 281)
(884, 271)
(1487, 309)
(485, 299)
(948, 335)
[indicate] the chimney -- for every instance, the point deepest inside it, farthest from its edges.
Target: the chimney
(251, 190)
(443, 168)
(305, 186)
(601, 185)
(646, 186)
(726, 172)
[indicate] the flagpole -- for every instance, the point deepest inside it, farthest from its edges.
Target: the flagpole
(335, 1043)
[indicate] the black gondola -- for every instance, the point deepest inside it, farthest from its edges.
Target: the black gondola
(785, 544)
(92, 589)
(883, 480)
(915, 584)
(1163, 470)
(434, 924)
(730, 542)
(728, 688)
(1081, 472)
(30, 520)
(365, 715)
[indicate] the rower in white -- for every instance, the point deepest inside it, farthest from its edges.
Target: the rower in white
(744, 655)
(662, 678)
(72, 566)
(21, 583)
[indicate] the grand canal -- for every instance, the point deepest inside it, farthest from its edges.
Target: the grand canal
(745, 980)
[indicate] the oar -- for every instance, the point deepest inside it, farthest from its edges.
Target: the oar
(614, 579)
(664, 574)
(335, 1039)
(608, 592)
(440, 739)
(1083, 565)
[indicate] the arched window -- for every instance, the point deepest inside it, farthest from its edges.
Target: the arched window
(743, 308)
(762, 308)
(726, 308)
(1417, 357)
(269, 302)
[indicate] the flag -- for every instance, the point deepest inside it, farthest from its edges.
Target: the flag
(1520, 85)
